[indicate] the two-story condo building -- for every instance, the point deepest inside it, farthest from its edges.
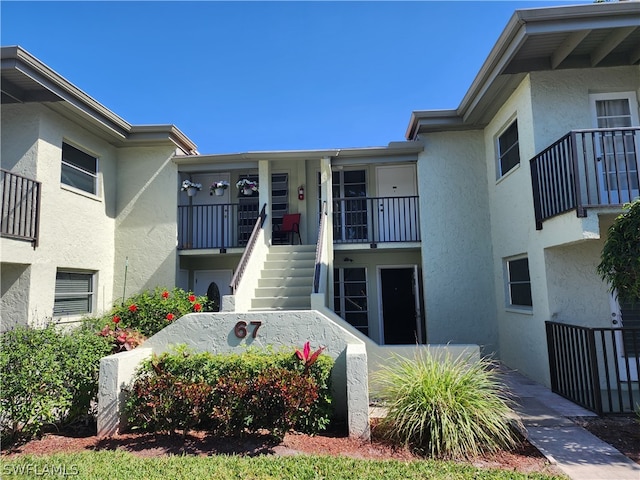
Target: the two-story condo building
(484, 227)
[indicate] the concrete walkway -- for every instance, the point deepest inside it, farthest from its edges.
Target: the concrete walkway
(578, 453)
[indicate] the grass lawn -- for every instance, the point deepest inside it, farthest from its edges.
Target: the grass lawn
(123, 466)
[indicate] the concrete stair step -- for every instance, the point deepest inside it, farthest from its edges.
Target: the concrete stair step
(286, 282)
(291, 248)
(282, 302)
(285, 255)
(283, 291)
(288, 272)
(289, 263)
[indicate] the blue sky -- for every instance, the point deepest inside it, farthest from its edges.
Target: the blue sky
(244, 76)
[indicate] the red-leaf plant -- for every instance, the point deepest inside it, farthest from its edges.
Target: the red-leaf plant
(307, 357)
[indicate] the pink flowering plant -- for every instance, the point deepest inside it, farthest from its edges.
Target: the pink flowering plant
(307, 357)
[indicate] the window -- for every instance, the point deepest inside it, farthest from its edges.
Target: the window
(79, 169)
(350, 296)
(616, 149)
(519, 283)
(74, 293)
(508, 149)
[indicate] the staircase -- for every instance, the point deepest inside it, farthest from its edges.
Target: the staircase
(286, 280)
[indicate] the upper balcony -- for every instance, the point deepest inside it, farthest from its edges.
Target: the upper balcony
(586, 169)
(20, 207)
(356, 220)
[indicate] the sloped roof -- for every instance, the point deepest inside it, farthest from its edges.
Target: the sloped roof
(579, 36)
(26, 79)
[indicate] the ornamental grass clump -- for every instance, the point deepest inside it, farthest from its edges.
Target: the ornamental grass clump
(445, 407)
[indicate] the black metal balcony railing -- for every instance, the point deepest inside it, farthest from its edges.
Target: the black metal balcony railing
(369, 220)
(376, 220)
(595, 367)
(215, 226)
(20, 207)
(586, 168)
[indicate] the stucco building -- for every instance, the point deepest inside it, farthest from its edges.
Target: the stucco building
(487, 222)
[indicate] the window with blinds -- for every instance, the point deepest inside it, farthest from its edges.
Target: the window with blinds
(74, 293)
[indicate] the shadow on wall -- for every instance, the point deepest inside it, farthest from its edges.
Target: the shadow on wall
(14, 287)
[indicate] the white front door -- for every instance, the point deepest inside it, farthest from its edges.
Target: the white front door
(213, 283)
(397, 210)
(616, 150)
(626, 314)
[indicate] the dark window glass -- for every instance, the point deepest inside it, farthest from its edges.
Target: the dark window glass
(509, 151)
(519, 283)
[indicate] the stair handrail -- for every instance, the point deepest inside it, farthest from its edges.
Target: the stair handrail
(319, 248)
(246, 255)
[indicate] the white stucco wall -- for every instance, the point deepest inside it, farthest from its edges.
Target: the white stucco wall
(214, 332)
(456, 241)
(132, 214)
(564, 254)
(561, 98)
(146, 219)
(76, 228)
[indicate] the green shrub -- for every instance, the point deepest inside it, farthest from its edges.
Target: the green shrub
(244, 392)
(150, 311)
(48, 378)
(445, 407)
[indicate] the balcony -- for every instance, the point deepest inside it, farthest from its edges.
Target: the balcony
(374, 220)
(20, 207)
(219, 226)
(586, 169)
(360, 220)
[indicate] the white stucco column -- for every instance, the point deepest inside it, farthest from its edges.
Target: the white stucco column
(264, 195)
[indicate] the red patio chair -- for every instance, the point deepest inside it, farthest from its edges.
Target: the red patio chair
(290, 226)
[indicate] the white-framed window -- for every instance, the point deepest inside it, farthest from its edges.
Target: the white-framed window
(508, 149)
(74, 294)
(350, 296)
(614, 110)
(616, 150)
(518, 283)
(79, 169)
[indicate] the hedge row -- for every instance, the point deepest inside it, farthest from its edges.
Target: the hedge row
(49, 378)
(232, 394)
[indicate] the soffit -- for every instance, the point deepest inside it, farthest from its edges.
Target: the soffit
(582, 36)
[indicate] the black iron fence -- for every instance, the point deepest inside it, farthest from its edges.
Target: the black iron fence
(215, 226)
(20, 207)
(376, 220)
(596, 368)
(586, 168)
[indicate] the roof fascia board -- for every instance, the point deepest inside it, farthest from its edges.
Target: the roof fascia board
(198, 166)
(31, 67)
(17, 58)
(394, 149)
(487, 75)
(155, 133)
(433, 119)
(536, 21)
